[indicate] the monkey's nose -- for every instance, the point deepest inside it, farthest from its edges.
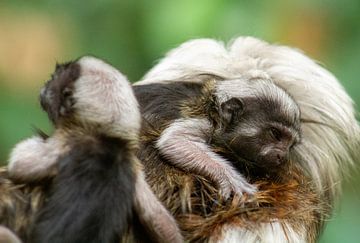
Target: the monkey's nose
(281, 158)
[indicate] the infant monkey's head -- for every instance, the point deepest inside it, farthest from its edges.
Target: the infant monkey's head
(262, 125)
(89, 93)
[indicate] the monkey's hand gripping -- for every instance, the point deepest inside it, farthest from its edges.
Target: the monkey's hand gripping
(184, 145)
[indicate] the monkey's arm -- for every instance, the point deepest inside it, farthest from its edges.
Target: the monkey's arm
(153, 214)
(35, 158)
(7, 236)
(184, 144)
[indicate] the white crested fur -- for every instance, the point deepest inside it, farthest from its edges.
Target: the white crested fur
(105, 97)
(154, 213)
(257, 86)
(184, 144)
(274, 232)
(326, 151)
(191, 56)
(6, 236)
(32, 158)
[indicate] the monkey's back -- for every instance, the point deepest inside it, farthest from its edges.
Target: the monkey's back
(91, 197)
(195, 201)
(162, 103)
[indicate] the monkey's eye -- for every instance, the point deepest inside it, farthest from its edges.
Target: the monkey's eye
(275, 133)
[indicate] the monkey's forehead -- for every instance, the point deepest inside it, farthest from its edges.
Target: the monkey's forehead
(242, 88)
(262, 93)
(262, 113)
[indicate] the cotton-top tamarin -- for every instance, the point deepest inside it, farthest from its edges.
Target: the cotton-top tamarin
(98, 186)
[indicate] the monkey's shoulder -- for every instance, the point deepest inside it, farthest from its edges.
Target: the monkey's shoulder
(164, 102)
(92, 177)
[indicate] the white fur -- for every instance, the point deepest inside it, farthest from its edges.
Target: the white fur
(184, 144)
(326, 151)
(257, 86)
(274, 232)
(32, 158)
(104, 96)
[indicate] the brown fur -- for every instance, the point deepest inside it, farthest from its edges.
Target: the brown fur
(19, 203)
(194, 107)
(195, 202)
(192, 199)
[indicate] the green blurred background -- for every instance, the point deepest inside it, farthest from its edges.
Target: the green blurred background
(133, 35)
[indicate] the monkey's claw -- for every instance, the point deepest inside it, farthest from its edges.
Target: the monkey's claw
(237, 186)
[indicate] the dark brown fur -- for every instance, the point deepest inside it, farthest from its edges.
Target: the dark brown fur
(192, 199)
(19, 203)
(195, 203)
(55, 94)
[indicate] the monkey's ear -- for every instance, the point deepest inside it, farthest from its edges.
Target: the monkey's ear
(231, 109)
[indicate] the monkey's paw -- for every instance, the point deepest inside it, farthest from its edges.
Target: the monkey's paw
(24, 158)
(236, 184)
(34, 158)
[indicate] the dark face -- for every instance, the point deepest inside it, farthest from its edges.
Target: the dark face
(55, 96)
(259, 133)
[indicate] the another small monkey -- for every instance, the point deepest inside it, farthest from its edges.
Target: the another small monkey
(97, 178)
(253, 120)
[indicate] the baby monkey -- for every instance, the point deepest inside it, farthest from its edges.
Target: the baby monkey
(98, 182)
(254, 121)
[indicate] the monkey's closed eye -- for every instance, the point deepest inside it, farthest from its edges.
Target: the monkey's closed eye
(275, 133)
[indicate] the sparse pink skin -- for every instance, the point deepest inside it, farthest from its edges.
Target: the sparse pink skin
(184, 144)
(6, 236)
(154, 214)
(35, 157)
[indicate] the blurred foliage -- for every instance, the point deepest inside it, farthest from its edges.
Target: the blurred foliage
(133, 35)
